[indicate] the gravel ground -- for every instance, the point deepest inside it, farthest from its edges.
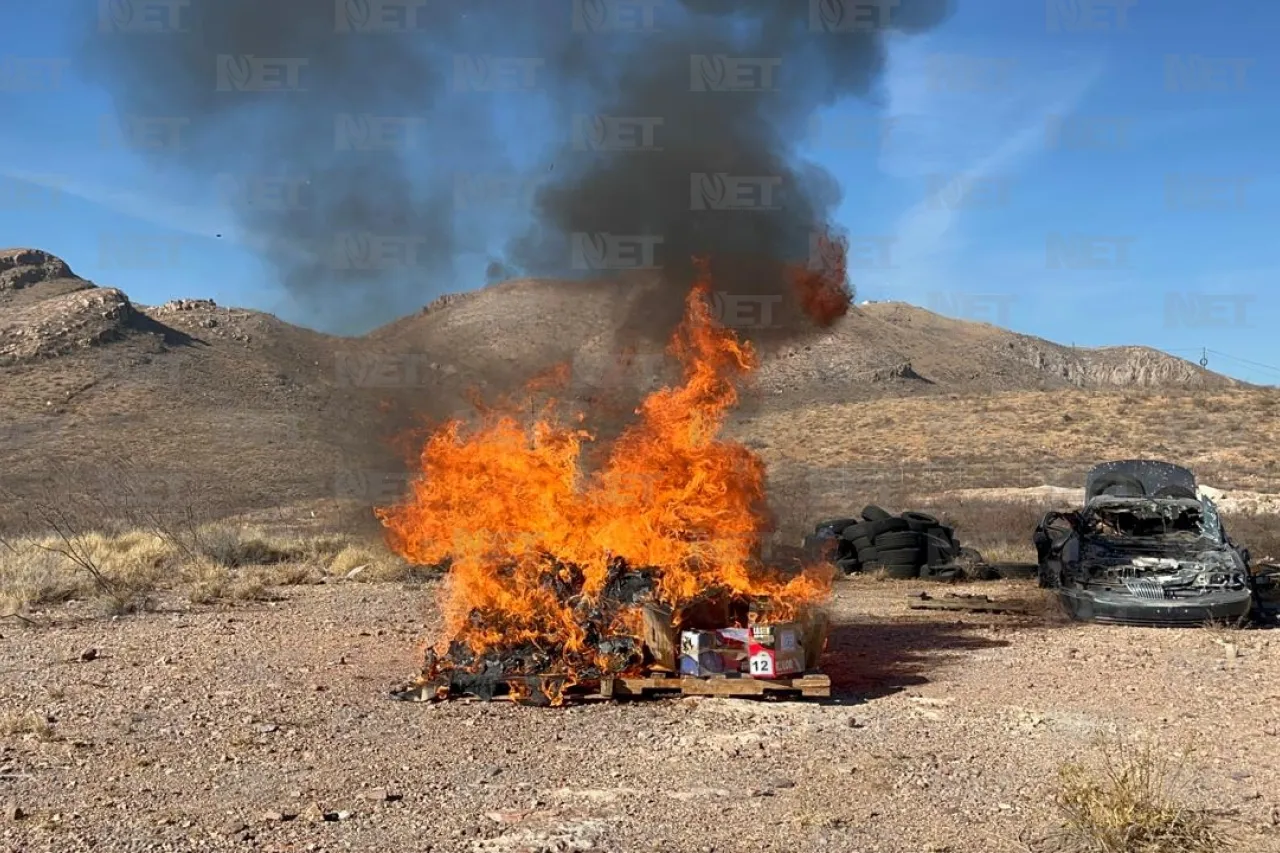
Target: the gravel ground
(268, 727)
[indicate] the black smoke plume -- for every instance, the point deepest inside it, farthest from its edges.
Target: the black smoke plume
(661, 113)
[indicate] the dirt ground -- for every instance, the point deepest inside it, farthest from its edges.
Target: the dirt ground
(240, 728)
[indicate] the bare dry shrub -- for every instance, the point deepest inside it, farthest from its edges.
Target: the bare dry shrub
(120, 571)
(232, 545)
(374, 562)
(144, 535)
(30, 577)
(28, 724)
(206, 581)
(319, 550)
(235, 545)
(252, 586)
(135, 563)
(1125, 802)
(294, 574)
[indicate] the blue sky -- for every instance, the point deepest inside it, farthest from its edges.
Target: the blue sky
(1000, 143)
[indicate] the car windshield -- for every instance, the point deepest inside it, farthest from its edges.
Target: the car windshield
(1136, 478)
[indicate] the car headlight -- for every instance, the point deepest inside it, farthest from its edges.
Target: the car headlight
(1220, 579)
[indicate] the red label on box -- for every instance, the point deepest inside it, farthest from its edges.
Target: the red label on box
(766, 662)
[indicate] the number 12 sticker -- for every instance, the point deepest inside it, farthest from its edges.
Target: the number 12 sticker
(762, 664)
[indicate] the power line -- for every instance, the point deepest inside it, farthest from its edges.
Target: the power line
(1205, 352)
(1272, 368)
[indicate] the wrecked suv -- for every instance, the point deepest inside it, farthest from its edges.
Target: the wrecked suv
(1147, 548)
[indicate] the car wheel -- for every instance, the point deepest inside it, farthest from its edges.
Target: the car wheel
(939, 546)
(896, 539)
(919, 521)
(901, 571)
(874, 529)
(899, 557)
(871, 512)
(835, 525)
(820, 549)
(849, 565)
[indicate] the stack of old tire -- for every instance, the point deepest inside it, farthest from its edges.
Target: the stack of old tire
(908, 545)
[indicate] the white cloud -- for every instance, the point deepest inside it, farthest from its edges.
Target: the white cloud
(207, 221)
(185, 219)
(958, 129)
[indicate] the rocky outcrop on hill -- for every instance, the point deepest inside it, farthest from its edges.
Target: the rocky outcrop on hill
(21, 268)
(903, 371)
(1110, 367)
(46, 310)
(30, 275)
(59, 324)
(1128, 367)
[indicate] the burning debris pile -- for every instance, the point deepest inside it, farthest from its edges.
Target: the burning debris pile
(604, 648)
(551, 567)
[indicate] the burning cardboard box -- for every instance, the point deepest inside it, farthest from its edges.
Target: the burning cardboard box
(763, 650)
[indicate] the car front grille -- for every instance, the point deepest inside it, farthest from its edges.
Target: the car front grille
(1145, 588)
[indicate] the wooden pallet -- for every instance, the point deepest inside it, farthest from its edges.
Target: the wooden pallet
(811, 685)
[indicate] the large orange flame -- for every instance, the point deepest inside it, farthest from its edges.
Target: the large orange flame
(504, 502)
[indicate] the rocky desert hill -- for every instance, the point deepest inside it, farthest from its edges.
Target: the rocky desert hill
(235, 410)
(879, 348)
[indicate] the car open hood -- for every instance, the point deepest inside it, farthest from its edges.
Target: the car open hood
(1152, 479)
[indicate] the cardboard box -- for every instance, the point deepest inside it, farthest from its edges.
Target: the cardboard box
(816, 624)
(713, 652)
(734, 648)
(660, 638)
(734, 638)
(776, 650)
(735, 660)
(700, 653)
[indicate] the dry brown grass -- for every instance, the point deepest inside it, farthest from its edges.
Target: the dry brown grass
(365, 562)
(1126, 802)
(936, 442)
(206, 581)
(117, 571)
(1259, 532)
(122, 572)
(1000, 530)
(29, 724)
